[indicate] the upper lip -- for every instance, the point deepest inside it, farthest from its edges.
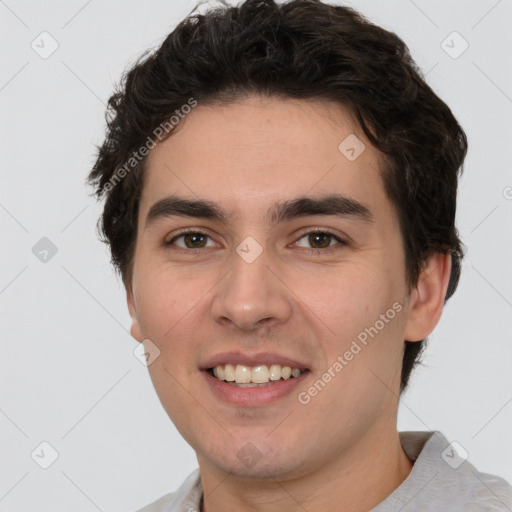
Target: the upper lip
(251, 359)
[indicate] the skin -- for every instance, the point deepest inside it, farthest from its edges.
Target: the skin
(341, 451)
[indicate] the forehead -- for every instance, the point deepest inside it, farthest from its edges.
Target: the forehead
(248, 154)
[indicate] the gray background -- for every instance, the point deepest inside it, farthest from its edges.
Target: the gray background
(68, 374)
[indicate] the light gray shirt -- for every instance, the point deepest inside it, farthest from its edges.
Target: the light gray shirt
(441, 480)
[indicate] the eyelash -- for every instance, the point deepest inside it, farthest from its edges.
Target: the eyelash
(340, 241)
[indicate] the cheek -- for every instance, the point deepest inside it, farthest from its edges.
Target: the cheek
(347, 298)
(166, 306)
(163, 300)
(171, 310)
(171, 384)
(360, 313)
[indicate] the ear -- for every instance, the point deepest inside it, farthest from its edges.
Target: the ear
(427, 299)
(135, 329)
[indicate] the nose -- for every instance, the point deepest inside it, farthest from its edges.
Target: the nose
(252, 295)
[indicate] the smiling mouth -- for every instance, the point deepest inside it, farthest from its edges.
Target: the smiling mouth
(254, 376)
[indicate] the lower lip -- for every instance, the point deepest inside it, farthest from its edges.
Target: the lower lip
(255, 396)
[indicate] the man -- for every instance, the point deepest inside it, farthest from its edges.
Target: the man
(280, 188)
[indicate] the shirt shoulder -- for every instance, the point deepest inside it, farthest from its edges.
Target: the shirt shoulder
(160, 505)
(186, 498)
(490, 493)
(443, 479)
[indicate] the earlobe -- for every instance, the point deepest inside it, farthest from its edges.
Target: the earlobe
(135, 329)
(427, 299)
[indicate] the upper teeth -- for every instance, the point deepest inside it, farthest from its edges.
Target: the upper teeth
(260, 374)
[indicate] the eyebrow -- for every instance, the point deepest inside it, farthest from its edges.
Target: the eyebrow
(332, 204)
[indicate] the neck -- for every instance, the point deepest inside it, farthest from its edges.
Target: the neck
(356, 481)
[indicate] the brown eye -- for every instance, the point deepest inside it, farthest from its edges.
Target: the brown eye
(194, 240)
(191, 240)
(321, 240)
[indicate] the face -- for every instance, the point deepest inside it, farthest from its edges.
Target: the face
(262, 279)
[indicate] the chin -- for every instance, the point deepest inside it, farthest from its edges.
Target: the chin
(268, 463)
